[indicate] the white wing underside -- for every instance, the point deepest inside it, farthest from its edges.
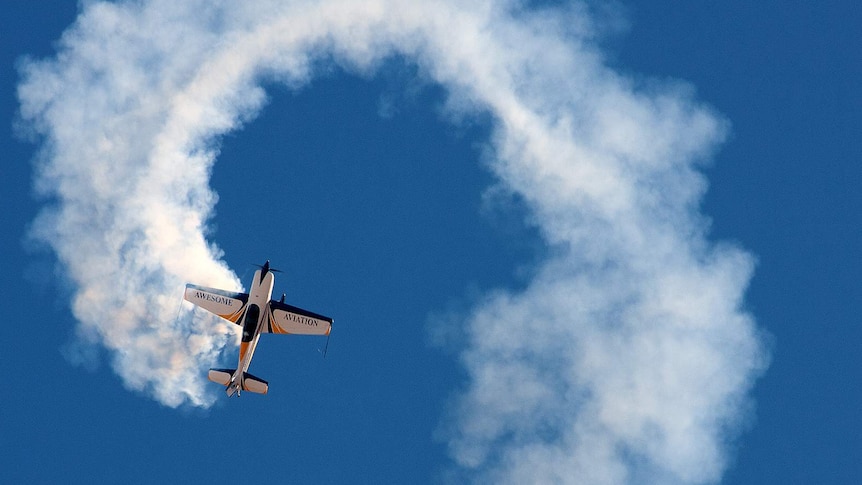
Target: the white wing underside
(226, 304)
(284, 318)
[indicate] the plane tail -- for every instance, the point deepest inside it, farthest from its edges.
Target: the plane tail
(249, 382)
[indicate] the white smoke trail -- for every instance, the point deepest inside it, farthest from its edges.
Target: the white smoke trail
(627, 359)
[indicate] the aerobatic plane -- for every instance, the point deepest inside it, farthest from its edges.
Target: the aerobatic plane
(256, 313)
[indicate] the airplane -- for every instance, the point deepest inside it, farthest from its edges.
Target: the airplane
(256, 313)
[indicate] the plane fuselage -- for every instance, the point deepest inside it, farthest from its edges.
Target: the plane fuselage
(258, 298)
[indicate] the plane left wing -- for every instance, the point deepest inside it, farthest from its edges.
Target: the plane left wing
(284, 318)
(226, 304)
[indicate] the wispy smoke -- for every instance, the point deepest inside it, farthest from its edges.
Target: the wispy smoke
(628, 357)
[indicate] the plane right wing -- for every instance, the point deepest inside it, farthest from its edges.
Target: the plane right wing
(284, 318)
(226, 304)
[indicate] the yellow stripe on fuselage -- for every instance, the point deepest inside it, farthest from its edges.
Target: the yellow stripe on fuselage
(243, 348)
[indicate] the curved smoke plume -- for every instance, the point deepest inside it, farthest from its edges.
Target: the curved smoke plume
(627, 358)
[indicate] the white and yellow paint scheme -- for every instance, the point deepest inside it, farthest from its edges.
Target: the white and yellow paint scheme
(256, 313)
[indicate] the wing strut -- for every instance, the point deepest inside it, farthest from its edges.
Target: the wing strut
(326, 347)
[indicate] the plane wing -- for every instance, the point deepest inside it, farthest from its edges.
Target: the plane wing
(284, 318)
(226, 304)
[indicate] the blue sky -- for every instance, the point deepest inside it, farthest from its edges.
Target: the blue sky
(651, 279)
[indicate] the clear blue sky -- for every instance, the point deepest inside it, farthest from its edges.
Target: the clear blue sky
(373, 198)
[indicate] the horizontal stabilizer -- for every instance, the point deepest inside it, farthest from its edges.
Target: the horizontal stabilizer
(254, 384)
(221, 376)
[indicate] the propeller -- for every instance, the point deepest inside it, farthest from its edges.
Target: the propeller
(264, 269)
